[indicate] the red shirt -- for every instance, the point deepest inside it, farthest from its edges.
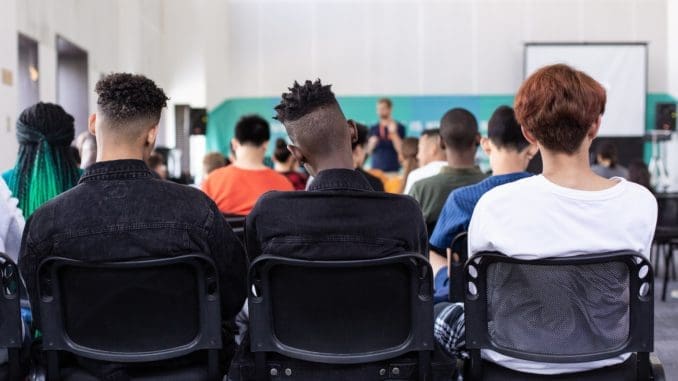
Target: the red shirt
(236, 190)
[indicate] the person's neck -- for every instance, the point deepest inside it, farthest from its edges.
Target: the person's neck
(282, 167)
(507, 162)
(461, 160)
(120, 152)
(572, 171)
(250, 158)
(333, 162)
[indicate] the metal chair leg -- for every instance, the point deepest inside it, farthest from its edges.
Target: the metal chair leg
(667, 262)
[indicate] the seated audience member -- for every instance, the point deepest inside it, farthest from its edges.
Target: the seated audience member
(408, 163)
(459, 139)
(385, 138)
(237, 187)
(285, 164)
(509, 154)
(11, 223)
(109, 215)
(156, 163)
(213, 161)
(431, 158)
(568, 210)
(45, 166)
(360, 155)
(640, 174)
(606, 162)
(340, 202)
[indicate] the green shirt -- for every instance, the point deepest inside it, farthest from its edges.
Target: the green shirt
(432, 192)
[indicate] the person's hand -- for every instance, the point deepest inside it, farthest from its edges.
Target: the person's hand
(373, 140)
(392, 127)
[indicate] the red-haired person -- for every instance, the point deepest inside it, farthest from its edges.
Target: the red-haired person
(568, 210)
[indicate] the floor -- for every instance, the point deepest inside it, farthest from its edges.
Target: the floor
(666, 327)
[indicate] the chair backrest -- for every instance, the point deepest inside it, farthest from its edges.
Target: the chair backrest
(459, 245)
(667, 205)
(559, 310)
(130, 311)
(10, 314)
(237, 224)
(341, 312)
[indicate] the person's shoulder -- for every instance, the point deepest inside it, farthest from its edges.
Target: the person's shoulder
(512, 191)
(639, 193)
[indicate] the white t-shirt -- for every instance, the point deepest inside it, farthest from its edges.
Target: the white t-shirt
(534, 218)
(431, 169)
(11, 223)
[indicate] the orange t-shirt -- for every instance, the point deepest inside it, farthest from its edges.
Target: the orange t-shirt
(236, 190)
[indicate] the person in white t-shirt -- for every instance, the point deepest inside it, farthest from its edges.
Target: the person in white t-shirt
(431, 157)
(568, 210)
(11, 223)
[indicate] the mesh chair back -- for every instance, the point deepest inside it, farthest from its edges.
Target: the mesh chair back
(341, 312)
(667, 216)
(560, 310)
(10, 315)
(134, 311)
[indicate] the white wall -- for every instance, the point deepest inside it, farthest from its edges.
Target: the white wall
(412, 47)
(8, 94)
(672, 43)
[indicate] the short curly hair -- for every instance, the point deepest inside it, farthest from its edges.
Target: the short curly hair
(125, 97)
(302, 99)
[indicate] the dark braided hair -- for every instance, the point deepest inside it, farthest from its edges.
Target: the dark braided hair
(45, 166)
(301, 100)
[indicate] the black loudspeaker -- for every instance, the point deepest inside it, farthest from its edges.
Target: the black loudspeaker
(665, 117)
(198, 119)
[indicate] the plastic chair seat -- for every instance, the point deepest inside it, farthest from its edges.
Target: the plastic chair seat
(625, 371)
(190, 373)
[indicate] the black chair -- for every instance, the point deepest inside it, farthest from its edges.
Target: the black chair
(237, 224)
(666, 234)
(341, 313)
(132, 313)
(561, 310)
(456, 284)
(10, 319)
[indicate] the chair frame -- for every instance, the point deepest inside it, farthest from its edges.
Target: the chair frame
(55, 337)
(456, 282)
(641, 310)
(11, 337)
(262, 334)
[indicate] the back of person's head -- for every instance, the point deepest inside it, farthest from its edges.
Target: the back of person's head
(429, 149)
(213, 161)
(558, 105)
(409, 149)
(640, 174)
(362, 133)
(608, 151)
(315, 124)
(252, 130)
(459, 130)
(45, 166)
(129, 108)
(504, 131)
(281, 153)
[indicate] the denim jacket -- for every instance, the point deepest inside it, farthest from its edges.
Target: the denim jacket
(121, 211)
(340, 217)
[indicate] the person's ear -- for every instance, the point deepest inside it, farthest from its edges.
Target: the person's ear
(486, 145)
(595, 127)
(92, 124)
(234, 144)
(528, 135)
(297, 153)
(264, 146)
(151, 136)
(442, 143)
(352, 130)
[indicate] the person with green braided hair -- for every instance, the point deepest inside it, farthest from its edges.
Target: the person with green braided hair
(44, 167)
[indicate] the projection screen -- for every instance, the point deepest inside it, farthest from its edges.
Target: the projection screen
(620, 68)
